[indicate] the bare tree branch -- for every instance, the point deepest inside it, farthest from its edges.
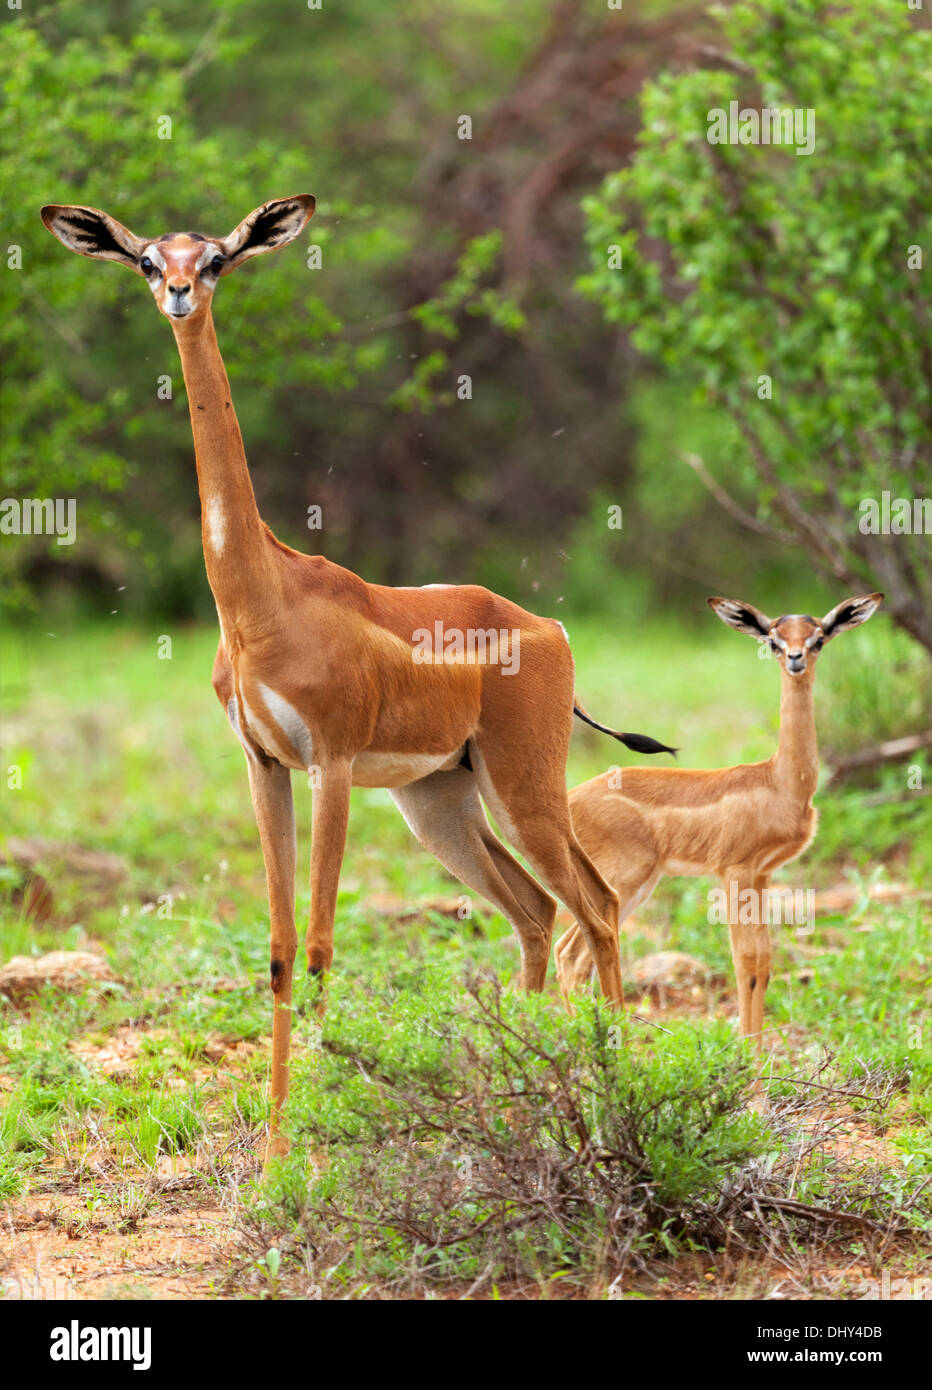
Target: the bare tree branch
(733, 508)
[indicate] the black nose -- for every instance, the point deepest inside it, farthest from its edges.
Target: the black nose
(795, 656)
(179, 289)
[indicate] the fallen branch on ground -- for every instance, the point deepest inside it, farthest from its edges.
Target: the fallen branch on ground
(892, 751)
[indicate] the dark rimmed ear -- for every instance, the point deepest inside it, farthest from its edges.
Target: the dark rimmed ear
(743, 617)
(851, 613)
(90, 232)
(267, 228)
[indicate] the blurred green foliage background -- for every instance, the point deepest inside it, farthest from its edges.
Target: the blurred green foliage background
(443, 257)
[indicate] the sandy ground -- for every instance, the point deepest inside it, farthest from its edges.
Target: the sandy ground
(54, 1248)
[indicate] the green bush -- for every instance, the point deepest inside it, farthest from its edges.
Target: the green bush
(785, 288)
(494, 1136)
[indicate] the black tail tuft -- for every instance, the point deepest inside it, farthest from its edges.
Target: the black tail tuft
(638, 743)
(643, 743)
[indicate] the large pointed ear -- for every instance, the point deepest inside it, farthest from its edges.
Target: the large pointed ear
(91, 232)
(267, 228)
(743, 617)
(851, 613)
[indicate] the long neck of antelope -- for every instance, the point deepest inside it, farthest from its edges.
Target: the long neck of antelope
(797, 757)
(237, 553)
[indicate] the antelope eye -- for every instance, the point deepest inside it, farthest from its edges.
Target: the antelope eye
(146, 266)
(216, 264)
(773, 646)
(817, 646)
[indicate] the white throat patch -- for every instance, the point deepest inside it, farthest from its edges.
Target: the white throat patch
(216, 524)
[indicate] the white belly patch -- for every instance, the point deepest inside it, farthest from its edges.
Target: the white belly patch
(396, 769)
(281, 733)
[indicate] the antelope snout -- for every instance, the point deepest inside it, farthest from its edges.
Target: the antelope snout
(177, 303)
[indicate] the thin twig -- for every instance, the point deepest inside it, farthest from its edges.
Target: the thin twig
(733, 508)
(640, 1018)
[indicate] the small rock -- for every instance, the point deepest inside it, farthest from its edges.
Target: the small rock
(76, 859)
(673, 968)
(398, 910)
(67, 970)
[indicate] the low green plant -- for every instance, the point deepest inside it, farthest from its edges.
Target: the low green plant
(467, 1137)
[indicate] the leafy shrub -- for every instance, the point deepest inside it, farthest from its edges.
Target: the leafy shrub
(497, 1138)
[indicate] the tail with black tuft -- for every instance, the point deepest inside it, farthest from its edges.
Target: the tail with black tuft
(638, 743)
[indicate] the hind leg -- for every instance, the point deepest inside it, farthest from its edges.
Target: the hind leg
(614, 833)
(575, 966)
(574, 960)
(445, 813)
(528, 799)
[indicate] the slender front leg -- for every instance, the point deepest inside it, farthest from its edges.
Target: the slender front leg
(750, 949)
(270, 784)
(764, 945)
(329, 819)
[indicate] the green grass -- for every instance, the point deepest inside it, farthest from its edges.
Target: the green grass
(124, 752)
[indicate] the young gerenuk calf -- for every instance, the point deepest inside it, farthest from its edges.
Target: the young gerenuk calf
(738, 823)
